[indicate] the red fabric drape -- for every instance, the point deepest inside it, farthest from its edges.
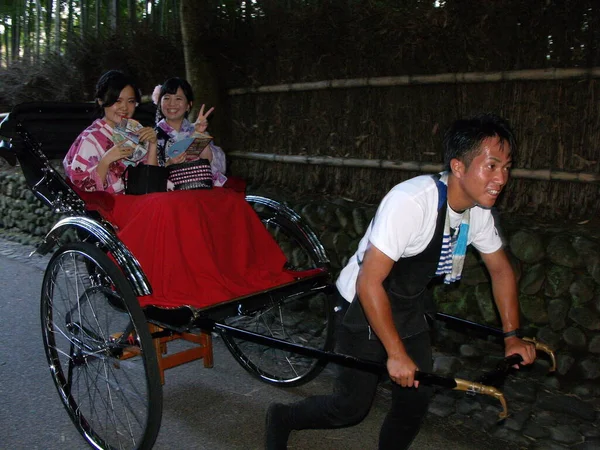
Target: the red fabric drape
(197, 247)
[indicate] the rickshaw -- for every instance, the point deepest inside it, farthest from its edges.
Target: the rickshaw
(106, 353)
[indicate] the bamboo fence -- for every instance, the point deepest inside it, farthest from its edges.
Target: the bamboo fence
(409, 166)
(358, 137)
(553, 74)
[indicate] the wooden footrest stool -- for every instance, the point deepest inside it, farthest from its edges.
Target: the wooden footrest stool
(202, 350)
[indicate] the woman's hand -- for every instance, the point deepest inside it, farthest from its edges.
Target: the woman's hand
(201, 123)
(117, 152)
(176, 159)
(206, 153)
(147, 134)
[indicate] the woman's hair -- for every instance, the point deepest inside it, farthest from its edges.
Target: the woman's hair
(170, 87)
(109, 88)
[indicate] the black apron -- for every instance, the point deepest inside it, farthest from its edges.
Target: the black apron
(407, 282)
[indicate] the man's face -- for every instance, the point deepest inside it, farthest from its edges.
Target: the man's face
(481, 182)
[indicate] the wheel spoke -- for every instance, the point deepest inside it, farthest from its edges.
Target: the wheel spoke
(294, 321)
(95, 336)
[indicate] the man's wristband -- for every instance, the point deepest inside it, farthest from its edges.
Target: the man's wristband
(511, 333)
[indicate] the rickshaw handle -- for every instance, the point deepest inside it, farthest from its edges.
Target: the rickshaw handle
(372, 366)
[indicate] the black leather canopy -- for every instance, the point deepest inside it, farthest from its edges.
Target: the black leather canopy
(56, 125)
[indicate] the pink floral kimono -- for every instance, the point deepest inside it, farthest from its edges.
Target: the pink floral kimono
(84, 155)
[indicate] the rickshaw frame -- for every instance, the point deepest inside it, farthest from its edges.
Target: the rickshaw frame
(82, 238)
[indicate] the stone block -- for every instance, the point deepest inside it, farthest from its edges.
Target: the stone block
(566, 404)
(535, 431)
(485, 302)
(585, 317)
(590, 368)
(558, 280)
(564, 363)
(560, 251)
(594, 345)
(558, 308)
(522, 390)
(574, 337)
(582, 290)
(566, 434)
(534, 308)
(533, 279)
(527, 246)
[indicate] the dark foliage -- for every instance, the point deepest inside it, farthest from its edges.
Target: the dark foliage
(72, 76)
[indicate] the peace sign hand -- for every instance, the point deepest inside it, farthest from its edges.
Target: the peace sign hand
(201, 123)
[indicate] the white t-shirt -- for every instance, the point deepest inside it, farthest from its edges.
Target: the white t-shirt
(404, 225)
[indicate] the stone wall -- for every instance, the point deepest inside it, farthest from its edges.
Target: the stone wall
(558, 268)
(23, 217)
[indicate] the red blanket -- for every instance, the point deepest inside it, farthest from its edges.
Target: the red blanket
(197, 247)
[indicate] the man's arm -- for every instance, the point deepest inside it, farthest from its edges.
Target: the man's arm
(504, 287)
(374, 269)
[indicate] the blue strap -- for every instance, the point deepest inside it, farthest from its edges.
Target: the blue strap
(442, 192)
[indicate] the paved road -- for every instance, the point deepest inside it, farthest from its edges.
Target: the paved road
(218, 409)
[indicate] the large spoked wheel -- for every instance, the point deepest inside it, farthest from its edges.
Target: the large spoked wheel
(100, 350)
(306, 320)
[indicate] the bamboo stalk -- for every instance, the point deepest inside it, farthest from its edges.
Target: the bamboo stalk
(411, 166)
(441, 78)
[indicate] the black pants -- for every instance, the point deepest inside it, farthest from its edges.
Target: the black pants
(355, 390)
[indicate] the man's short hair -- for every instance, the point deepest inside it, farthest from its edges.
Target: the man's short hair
(464, 137)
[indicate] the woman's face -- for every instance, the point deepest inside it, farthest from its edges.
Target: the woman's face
(123, 107)
(174, 106)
